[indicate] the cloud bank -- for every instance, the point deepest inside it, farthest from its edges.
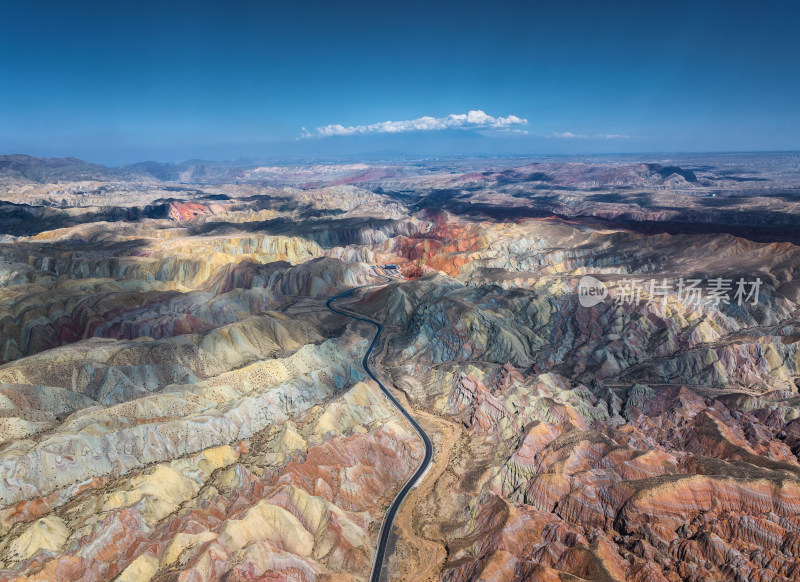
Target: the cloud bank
(472, 120)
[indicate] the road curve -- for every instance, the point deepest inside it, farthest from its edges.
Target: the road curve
(388, 521)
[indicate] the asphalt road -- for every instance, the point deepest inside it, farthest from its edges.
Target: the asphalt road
(388, 521)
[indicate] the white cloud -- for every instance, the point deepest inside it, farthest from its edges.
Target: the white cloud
(472, 119)
(570, 135)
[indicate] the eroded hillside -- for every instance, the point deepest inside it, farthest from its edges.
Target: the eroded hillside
(177, 402)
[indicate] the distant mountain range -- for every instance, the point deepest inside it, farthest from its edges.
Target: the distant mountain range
(731, 171)
(192, 171)
(24, 168)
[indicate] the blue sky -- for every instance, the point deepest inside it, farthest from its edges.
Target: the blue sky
(119, 82)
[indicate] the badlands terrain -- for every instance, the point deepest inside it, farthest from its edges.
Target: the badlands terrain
(178, 404)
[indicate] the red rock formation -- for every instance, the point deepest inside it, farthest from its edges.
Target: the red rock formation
(189, 211)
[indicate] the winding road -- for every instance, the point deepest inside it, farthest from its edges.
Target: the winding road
(388, 521)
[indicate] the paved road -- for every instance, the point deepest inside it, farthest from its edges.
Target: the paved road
(388, 521)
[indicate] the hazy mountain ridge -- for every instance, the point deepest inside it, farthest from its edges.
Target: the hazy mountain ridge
(24, 168)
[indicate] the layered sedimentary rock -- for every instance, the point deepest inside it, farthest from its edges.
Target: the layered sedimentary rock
(626, 441)
(177, 403)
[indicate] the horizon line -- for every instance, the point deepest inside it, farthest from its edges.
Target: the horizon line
(397, 154)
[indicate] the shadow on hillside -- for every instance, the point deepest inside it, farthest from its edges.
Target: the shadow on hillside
(756, 225)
